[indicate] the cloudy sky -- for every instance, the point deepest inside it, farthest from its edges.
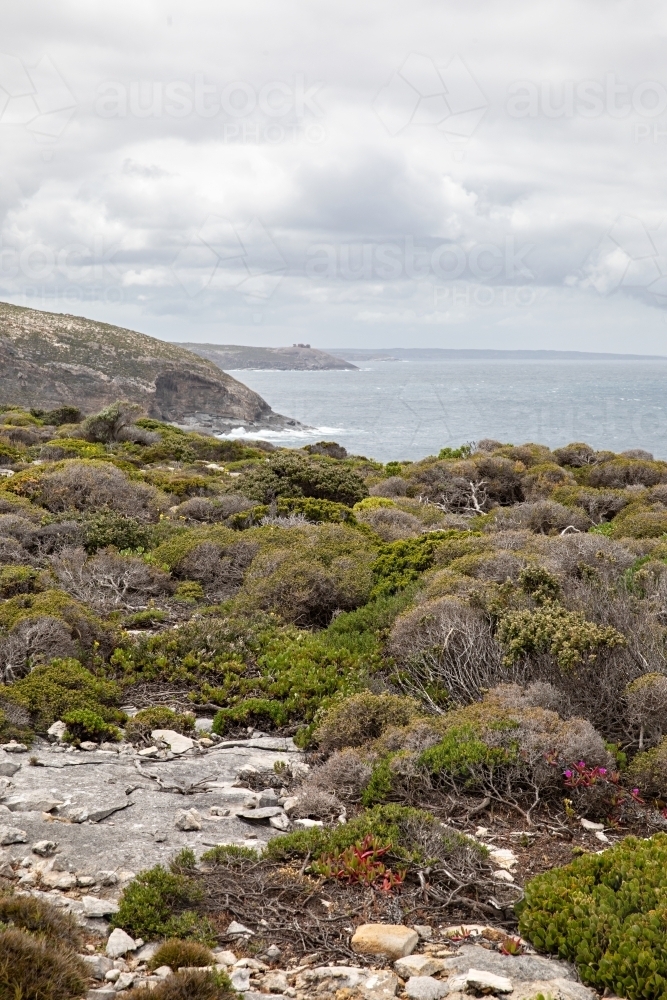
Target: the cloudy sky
(473, 173)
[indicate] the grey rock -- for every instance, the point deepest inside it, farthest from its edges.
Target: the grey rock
(119, 943)
(85, 881)
(146, 953)
(418, 965)
(240, 979)
(97, 965)
(57, 730)
(343, 976)
(32, 802)
(224, 957)
(107, 878)
(275, 982)
(425, 988)
(8, 768)
(59, 880)
(163, 971)
(290, 804)
(425, 931)
(14, 747)
(12, 835)
(97, 815)
(44, 848)
(188, 819)
(280, 822)
(79, 815)
(558, 989)
(273, 952)
(235, 928)
(477, 981)
(176, 742)
(104, 993)
(260, 814)
(124, 981)
(94, 907)
(112, 974)
(519, 968)
(380, 985)
(88, 745)
(159, 836)
(269, 797)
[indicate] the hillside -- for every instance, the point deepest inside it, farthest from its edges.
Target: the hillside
(232, 357)
(51, 359)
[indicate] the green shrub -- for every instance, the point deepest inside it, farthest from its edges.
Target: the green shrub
(140, 726)
(402, 563)
(189, 985)
(606, 913)
(318, 511)
(362, 717)
(566, 635)
(19, 580)
(62, 686)
(109, 527)
(34, 969)
(286, 475)
(178, 954)
(83, 725)
(225, 852)
(189, 592)
(61, 415)
(162, 903)
(40, 918)
(648, 771)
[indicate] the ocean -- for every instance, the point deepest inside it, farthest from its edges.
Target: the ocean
(393, 410)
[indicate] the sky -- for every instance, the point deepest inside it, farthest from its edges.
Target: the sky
(477, 174)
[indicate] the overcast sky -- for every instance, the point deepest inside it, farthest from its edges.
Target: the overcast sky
(476, 174)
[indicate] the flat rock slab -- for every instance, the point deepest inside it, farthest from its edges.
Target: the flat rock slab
(393, 940)
(132, 838)
(557, 989)
(263, 813)
(519, 968)
(425, 988)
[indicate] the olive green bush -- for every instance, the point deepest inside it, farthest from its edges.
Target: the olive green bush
(162, 902)
(138, 729)
(40, 918)
(36, 969)
(189, 984)
(295, 476)
(82, 725)
(178, 954)
(360, 718)
(648, 771)
(606, 913)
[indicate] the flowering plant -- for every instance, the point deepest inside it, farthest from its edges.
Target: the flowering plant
(361, 864)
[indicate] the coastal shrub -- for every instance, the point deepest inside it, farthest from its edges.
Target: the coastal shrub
(402, 563)
(189, 985)
(110, 423)
(212, 510)
(162, 902)
(620, 472)
(360, 718)
(32, 641)
(637, 523)
(178, 954)
(82, 724)
(577, 455)
(606, 913)
(648, 771)
(108, 580)
(139, 728)
(109, 527)
(61, 686)
(344, 774)
(19, 580)
(40, 918)
(189, 592)
(178, 483)
(551, 628)
(391, 524)
(219, 569)
(646, 699)
(543, 517)
(65, 414)
(35, 969)
(293, 476)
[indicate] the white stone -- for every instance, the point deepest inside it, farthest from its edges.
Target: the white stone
(163, 972)
(88, 745)
(176, 742)
(602, 837)
(425, 988)
(79, 815)
(149, 752)
(146, 953)
(225, 957)
(188, 819)
(425, 931)
(14, 747)
(97, 965)
(503, 857)
(275, 982)
(380, 985)
(119, 943)
(8, 768)
(219, 811)
(57, 730)
(59, 880)
(111, 975)
(418, 965)
(240, 979)
(290, 803)
(124, 981)
(94, 907)
(477, 979)
(589, 825)
(85, 881)
(308, 824)
(503, 876)
(236, 928)
(107, 878)
(32, 802)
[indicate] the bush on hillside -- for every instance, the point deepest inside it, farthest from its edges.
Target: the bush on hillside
(292, 476)
(88, 487)
(139, 728)
(84, 725)
(108, 580)
(36, 969)
(360, 718)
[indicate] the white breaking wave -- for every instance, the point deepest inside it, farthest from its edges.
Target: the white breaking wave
(287, 434)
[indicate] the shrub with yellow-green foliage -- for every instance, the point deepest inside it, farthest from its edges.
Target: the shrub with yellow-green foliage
(353, 721)
(138, 729)
(606, 913)
(551, 628)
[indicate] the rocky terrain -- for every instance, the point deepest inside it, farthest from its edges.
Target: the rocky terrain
(299, 357)
(52, 359)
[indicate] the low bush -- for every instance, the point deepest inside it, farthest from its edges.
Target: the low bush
(34, 969)
(402, 563)
(40, 918)
(179, 954)
(360, 718)
(551, 628)
(83, 725)
(19, 580)
(162, 902)
(293, 476)
(109, 527)
(33, 641)
(52, 689)
(189, 985)
(606, 913)
(648, 771)
(108, 580)
(139, 728)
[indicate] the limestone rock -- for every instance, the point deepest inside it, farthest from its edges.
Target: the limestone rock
(163, 972)
(88, 745)
(12, 835)
(308, 824)
(275, 982)
(176, 742)
(393, 940)
(418, 965)
(59, 880)
(57, 730)
(520, 968)
(279, 822)
(119, 943)
(44, 848)
(260, 814)
(124, 981)
(8, 768)
(94, 907)
(103, 812)
(425, 931)
(240, 979)
(342, 976)
(479, 981)
(103, 993)
(97, 965)
(224, 956)
(188, 819)
(14, 747)
(558, 989)
(146, 953)
(32, 802)
(235, 928)
(425, 988)
(380, 986)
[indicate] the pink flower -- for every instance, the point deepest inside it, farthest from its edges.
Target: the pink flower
(568, 774)
(602, 770)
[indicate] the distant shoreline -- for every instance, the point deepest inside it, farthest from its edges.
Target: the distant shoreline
(442, 354)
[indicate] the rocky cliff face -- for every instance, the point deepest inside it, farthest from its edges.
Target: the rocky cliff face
(49, 359)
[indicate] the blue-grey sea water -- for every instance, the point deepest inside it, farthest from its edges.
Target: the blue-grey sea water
(409, 409)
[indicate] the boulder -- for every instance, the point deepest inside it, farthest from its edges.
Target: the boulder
(97, 965)
(59, 880)
(14, 747)
(44, 848)
(57, 730)
(425, 988)
(261, 814)
(124, 981)
(418, 965)
(176, 742)
(32, 802)
(478, 981)
(341, 976)
(240, 979)
(275, 982)
(279, 822)
(393, 940)
(8, 768)
(188, 819)
(119, 943)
